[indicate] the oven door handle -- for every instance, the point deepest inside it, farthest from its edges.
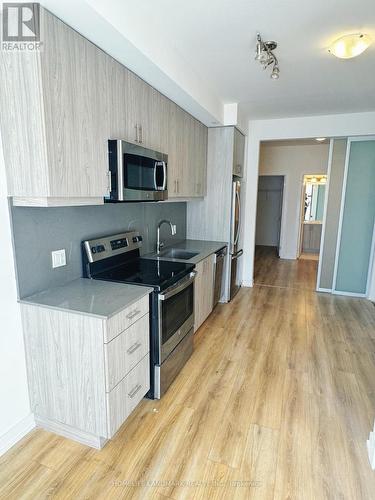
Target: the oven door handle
(181, 285)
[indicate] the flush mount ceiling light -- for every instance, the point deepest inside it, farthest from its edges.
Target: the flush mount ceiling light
(349, 46)
(320, 139)
(266, 56)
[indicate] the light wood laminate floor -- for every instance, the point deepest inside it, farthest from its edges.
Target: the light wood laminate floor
(277, 401)
(270, 270)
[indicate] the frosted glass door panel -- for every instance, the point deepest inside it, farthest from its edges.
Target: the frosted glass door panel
(358, 219)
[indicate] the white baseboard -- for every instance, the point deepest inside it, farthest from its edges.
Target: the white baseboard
(69, 432)
(248, 283)
(16, 433)
(349, 294)
(371, 449)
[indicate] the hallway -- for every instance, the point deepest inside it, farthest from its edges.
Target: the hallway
(270, 270)
(276, 402)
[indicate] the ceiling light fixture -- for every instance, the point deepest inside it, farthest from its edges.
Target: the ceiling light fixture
(320, 139)
(266, 57)
(349, 46)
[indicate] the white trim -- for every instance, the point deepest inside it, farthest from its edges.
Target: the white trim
(371, 263)
(343, 196)
(324, 290)
(71, 432)
(338, 246)
(371, 448)
(248, 283)
(330, 158)
(349, 294)
(16, 433)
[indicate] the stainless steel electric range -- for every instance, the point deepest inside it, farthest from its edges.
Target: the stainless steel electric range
(117, 258)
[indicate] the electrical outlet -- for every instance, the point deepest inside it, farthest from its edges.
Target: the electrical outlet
(58, 258)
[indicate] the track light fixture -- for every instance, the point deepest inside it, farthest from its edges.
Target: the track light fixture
(266, 56)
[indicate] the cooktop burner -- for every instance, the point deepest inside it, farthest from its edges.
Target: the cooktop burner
(147, 272)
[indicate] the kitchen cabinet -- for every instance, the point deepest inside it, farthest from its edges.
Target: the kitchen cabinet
(62, 104)
(54, 120)
(187, 156)
(203, 290)
(86, 373)
(238, 153)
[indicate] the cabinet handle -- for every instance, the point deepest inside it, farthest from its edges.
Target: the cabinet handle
(134, 391)
(109, 182)
(136, 132)
(140, 134)
(133, 348)
(133, 314)
(178, 186)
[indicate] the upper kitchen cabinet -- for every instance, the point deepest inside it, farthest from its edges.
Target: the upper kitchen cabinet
(187, 155)
(238, 153)
(60, 106)
(54, 121)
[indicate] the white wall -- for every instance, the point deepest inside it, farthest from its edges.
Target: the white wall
(344, 125)
(293, 162)
(15, 418)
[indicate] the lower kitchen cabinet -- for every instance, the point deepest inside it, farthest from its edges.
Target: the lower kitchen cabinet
(203, 290)
(81, 384)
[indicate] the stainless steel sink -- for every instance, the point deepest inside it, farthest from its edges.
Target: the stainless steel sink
(177, 253)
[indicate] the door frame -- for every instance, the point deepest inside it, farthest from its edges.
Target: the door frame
(281, 208)
(339, 233)
(319, 273)
(301, 207)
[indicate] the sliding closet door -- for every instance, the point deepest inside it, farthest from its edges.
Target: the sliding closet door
(357, 226)
(329, 241)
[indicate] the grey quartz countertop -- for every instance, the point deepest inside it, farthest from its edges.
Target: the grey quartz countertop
(201, 247)
(96, 298)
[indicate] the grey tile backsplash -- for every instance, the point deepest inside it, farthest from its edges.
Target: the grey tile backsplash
(39, 231)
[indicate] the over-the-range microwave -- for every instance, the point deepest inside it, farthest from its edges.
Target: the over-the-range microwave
(137, 173)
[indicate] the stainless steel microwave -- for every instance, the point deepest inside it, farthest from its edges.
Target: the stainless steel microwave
(137, 173)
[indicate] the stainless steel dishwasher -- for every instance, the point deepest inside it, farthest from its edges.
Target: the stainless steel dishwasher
(219, 271)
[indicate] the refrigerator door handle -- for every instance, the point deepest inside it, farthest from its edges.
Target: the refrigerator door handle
(237, 254)
(239, 218)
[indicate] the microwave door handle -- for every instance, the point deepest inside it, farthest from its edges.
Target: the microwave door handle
(157, 165)
(164, 187)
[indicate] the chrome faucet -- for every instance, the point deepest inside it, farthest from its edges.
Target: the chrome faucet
(160, 244)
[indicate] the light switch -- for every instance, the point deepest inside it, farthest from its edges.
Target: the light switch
(58, 258)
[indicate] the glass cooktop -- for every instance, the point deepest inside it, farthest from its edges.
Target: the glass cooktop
(159, 274)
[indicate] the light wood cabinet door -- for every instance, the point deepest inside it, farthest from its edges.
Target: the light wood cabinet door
(187, 156)
(238, 153)
(203, 290)
(118, 101)
(200, 165)
(74, 76)
(176, 151)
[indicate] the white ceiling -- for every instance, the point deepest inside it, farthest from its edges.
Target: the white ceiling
(216, 38)
(209, 45)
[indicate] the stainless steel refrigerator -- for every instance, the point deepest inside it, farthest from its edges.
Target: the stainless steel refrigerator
(234, 251)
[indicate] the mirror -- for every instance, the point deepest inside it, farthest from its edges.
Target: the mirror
(314, 193)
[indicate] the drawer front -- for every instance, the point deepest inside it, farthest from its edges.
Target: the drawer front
(118, 323)
(126, 350)
(122, 400)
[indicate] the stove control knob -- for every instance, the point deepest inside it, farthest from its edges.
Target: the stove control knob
(93, 249)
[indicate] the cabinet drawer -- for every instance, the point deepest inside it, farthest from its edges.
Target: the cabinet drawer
(122, 400)
(118, 323)
(126, 350)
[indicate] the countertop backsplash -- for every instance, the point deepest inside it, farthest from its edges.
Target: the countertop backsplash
(39, 231)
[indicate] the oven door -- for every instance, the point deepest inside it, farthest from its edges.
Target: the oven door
(176, 315)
